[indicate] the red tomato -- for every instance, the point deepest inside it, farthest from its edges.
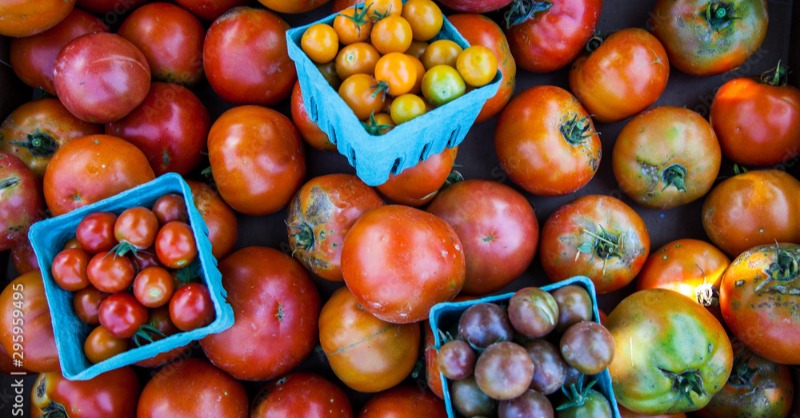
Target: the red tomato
(172, 40)
(170, 127)
(709, 37)
(753, 208)
(404, 401)
(320, 215)
(551, 37)
(399, 261)
(113, 393)
(690, 267)
(191, 307)
(34, 131)
(293, 6)
(20, 200)
(758, 122)
(110, 273)
(497, 227)
(175, 245)
(170, 207)
(666, 157)
(95, 232)
(101, 77)
(367, 354)
(596, 236)
(480, 30)
(26, 18)
(91, 168)
(28, 337)
(210, 9)
(246, 59)
(86, 304)
(160, 320)
(32, 57)
(23, 258)
(431, 353)
(627, 72)
(69, 269)
(301, 394)
(275, 304)
(192, 388)
(153, 286)
(309, 130)
(220, 219)
(475, 6)
(101, 345)
(418, 185)
(136, 227)
(546, 142)
(121, 314)
(758, 298)
(111, 8)
(257, 159)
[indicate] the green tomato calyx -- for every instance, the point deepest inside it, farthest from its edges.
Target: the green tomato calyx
(780, 273)
(302, 235)
(776, 77)
(39, 144)
(147, 334)
(742, 374)
(575, 130)
(686, 383)
(674, 175)
(374, 128)
(54, 410)
(719, 15)
(522, 10)
(577, 395)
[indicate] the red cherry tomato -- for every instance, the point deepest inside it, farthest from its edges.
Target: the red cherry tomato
(122, 315)
(191, 307)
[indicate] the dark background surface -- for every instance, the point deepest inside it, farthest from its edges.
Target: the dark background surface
(476, 156)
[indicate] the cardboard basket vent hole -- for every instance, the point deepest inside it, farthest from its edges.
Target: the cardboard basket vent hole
(454, 137)
(424, 154)
(396, 165)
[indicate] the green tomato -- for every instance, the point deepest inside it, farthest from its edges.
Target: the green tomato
(406, 107)
(586, 403)
(442, 84)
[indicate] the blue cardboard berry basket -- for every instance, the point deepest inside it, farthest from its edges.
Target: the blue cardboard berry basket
(375, 157)
(48, 238)
(443, 315)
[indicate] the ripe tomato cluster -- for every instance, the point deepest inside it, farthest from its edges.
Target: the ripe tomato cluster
(390, 68)
(535, 349)
(133, 276)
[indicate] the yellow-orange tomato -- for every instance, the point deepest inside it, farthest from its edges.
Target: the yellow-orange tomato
(353, 25)
(442, 51)
(477, 65)
(320, 42)
(425, 18)
(391, 34)
(358, 92)
(396, 73)
(358, 57)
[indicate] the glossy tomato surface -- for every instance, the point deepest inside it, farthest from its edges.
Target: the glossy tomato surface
(113, 393)
(25, 18)
(304, 394)
(21, 202)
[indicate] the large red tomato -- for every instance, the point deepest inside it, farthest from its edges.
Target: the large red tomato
(210, 9)
(91, 168)
(367, 354)
(627, 72)
(219, 218)
(26, 18)
(172, 40)
(112, 9)
(309, 130)
(293, 6)
(546, 142)
(497, 228)
(257, 159)
(276, 307)
(666, 157)
(27, 335)
(753, 208)
(301, 394)
(478, 29)
(192, 388)
(418, 185)
(758, 121)
(113, 393)
(706, 37)
(690, 267)
(170, 127)
(400, 261)
(596, 236)
(759, 296)
(404, 401)
(319, 216)
(475, 6)
(101, 77)
(32, 57)
(21, 202)
(246, 59)
(34, 131)
(546, 36)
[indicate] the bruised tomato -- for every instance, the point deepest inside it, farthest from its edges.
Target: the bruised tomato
(319, 216)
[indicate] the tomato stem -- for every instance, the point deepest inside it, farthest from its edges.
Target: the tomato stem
(777, 76)
(9, 182)
(685, 383)
(374, 128)
(742, 374)
(302, 234)
(39, 144)
(54, 410)
(522, 10)
(719, 15)
(674, 175)
(575, 130)
(147, 334)
(577, 395)
(783, 270)
(707, 295)
(594, 42)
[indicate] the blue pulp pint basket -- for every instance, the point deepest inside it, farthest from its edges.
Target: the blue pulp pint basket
(48, 238)
(443, 315)
(375, 157)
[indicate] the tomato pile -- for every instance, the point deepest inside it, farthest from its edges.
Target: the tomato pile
(646, 145)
